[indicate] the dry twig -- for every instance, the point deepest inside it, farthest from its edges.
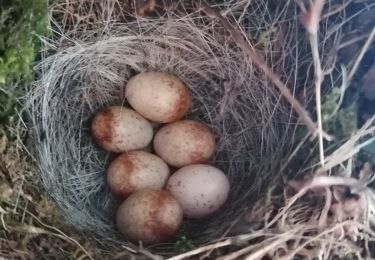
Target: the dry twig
(365, 47)
(238, 38)
(310, 20)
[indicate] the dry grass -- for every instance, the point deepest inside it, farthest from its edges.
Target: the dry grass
(31, 224)
(261, 142)
(228, 96)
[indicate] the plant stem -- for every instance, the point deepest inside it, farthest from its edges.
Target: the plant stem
(258, 60)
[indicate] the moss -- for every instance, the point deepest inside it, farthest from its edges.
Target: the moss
(184, 244)
(341, 123)
(21, 21)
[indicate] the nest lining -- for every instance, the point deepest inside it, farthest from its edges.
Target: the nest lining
(253, 126)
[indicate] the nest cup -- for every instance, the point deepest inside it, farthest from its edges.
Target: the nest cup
(249, 121)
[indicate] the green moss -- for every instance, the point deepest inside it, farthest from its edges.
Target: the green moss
(184, 244)
(21, 21)
(341, 123)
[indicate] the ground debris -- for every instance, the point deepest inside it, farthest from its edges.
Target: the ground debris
(31, 225)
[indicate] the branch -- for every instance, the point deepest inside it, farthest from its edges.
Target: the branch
(239, 39)
(365, 47)
(219, 244)
(310, 19)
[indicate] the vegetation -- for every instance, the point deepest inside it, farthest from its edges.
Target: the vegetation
(32, 226)
(21, 21)
(337, 120)
(185, 244)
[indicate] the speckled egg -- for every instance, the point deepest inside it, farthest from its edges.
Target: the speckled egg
(184, 142)
(159, 97)
(150, 216)
(136, 170)
(119, 129)
(200, 189)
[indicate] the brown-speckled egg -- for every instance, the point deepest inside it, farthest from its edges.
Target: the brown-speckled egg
(150, 216)
(184, 142)
(159, 97)
(119, 129)
(134, 171)
(200, 189)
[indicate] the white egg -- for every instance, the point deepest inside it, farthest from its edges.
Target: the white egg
(136, 170)
(119, 129)
(158, 96)
(184, 142)
(150, 216)
(200, 189)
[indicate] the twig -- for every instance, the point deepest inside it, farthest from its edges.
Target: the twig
(349, 154)
(324, 215)
(344, 86)
(318, 181)
(340, 8)
(202, 249)
(238, 253)
(260, 253)
(244, 11)
(246, 250)
(349, 149)
(60, 234)
(324, 233)
(365, 47)
(2, 213)
(150, 255)
(294, 153)
(310, 20)
(239, 39)
(224, 243)
(353, 40)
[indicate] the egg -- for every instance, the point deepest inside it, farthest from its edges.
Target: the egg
(119, 129)
(184, 142)
(159, 97)
(150, 216)
(136, 170)
(200, 189)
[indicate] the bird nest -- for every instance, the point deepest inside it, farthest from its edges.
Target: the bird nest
(256, 130)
